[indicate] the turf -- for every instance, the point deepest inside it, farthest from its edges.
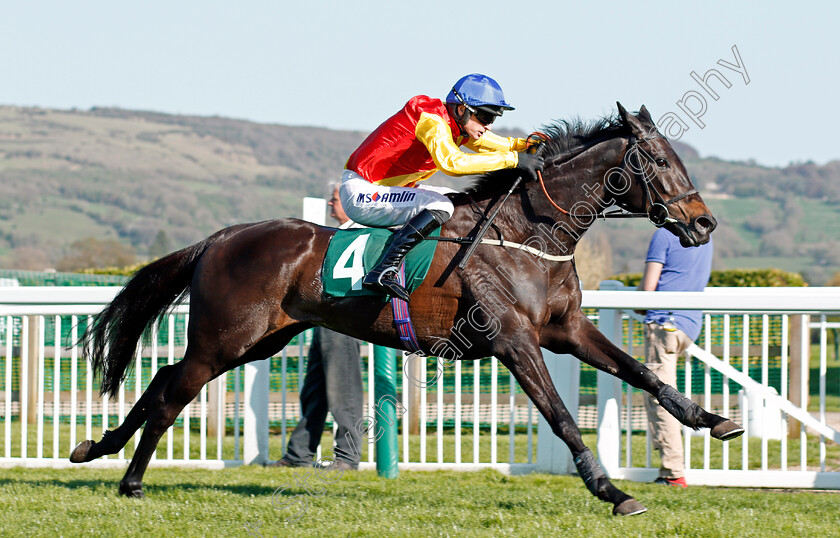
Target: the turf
(238, 502)
(521, 452)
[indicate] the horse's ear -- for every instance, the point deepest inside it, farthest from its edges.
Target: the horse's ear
(629, 119)
(622, 112)
(644, 115)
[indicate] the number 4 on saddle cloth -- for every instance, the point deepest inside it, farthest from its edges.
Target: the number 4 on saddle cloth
(352, 253)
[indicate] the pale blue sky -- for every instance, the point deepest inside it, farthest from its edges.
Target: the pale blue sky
(349, 65)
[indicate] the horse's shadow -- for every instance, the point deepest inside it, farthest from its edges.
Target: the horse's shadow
(243, 490)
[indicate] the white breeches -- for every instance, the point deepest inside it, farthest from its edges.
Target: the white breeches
(380, 206)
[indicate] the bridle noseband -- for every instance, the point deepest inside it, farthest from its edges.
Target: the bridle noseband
(657, 211)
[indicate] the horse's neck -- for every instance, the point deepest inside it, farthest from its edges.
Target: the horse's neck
(527, 217)
(579, 186)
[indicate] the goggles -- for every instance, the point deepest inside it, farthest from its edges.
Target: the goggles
(482, 115)
(485, 118)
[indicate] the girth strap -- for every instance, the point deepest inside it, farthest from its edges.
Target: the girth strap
(402, 319)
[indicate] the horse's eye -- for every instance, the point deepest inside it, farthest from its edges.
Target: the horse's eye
(661, 163)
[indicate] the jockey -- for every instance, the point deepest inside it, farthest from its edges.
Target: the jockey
(380, 186)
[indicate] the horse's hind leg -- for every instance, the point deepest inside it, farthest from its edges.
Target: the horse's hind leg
(589, 345)
(114, 441)
(526, 364)
(201, 363)
(180, 389)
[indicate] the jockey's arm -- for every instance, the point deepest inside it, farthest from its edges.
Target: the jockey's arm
(494, 154)
(490, 141)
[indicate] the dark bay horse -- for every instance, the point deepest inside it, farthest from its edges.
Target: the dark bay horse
(254, 286)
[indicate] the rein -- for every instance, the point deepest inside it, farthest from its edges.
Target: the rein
(657, 212)
(489, 222)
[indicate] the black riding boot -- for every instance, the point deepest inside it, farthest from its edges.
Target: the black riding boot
(383, 277)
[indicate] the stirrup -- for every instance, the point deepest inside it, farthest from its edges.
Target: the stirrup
(385, 272)
(395, 289)
(387, 286)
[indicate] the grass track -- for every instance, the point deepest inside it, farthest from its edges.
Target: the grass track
(47, 502)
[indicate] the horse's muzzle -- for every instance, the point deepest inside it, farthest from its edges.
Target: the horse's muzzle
(704, 225)
(698, 232)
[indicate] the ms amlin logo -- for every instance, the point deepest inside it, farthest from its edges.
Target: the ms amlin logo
(388, 197)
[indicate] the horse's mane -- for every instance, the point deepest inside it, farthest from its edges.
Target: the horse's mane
(565, 137)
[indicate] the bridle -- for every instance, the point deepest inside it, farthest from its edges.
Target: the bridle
(657, 210)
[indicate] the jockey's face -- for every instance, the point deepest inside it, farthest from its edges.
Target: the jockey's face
(474, 128)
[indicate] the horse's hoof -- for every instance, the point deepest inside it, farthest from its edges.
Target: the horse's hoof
(630, 507)
(135, 494)
(80, 453)
(134, 491)
(726, 430)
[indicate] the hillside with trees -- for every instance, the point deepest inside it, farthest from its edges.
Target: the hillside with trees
(110, 187)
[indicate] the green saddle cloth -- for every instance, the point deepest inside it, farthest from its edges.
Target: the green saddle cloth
(354, 252)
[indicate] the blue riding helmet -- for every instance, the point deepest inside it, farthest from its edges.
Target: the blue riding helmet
(477, 90)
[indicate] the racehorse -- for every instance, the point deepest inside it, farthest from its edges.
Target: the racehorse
(255, 286)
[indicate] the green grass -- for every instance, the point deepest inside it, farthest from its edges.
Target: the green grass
(53, 218)
(822, 222)
(77, 502)
(502, 447)
(275, 443)
(735, 212)
(195, 502)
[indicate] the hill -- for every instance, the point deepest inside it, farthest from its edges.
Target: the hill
(141, 183)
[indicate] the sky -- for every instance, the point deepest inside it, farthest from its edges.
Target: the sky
(350, 65)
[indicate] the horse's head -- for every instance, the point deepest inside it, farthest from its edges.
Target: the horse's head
(662, 188)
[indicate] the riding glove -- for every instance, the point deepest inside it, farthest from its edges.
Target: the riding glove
(530, 163)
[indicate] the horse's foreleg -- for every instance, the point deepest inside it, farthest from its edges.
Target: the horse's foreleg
(529, 369)
(588, 344)
(114, 441)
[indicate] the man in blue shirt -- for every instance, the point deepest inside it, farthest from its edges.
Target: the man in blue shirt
(668, 333)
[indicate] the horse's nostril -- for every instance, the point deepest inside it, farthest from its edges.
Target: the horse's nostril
(705, 224)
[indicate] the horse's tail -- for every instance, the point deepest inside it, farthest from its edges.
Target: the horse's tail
(110, 341)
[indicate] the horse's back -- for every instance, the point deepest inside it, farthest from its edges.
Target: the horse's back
(270, 258)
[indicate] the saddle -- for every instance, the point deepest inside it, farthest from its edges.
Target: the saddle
(354, 252)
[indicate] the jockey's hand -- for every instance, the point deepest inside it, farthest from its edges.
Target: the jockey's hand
(533, 142)
(530, 163)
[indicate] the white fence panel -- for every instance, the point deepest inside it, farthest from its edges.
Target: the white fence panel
(461, 419)
(764, 412)
(50, 400)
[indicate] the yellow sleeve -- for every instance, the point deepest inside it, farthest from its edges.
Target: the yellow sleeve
(493, 142)
(436, 135)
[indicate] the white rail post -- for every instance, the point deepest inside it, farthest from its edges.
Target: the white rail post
(609, 391)
(255, 449)
(213, 407)
(553, 456)
(36, 325)
(315, 210)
